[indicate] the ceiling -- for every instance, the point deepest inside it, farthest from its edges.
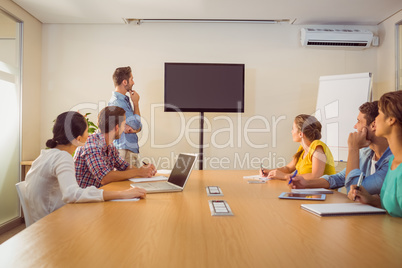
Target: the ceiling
(339, 12)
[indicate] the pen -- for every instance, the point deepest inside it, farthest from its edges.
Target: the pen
(291, 178)
(262, 170)
(144, 163)
(359, 183)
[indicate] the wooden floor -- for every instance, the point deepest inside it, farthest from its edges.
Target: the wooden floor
(11, 233)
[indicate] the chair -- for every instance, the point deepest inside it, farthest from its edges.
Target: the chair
(25, 209)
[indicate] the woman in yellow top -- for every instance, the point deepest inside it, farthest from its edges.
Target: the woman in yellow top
(313, 158)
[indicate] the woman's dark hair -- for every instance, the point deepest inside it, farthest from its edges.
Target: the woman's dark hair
(391, 105)
(67, 127)
(310, 127)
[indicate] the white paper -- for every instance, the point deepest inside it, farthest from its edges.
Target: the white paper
(125, 200)
(164, 171)
(157, 178)
(256, 177)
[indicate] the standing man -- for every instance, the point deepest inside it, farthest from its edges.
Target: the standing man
(367, 154)
(128, 142)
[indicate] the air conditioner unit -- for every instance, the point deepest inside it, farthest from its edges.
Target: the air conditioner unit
(336, 37)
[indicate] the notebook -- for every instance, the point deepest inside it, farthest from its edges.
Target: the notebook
(341, 209)
(177, 179)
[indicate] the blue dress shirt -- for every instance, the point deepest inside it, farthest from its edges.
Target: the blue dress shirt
(127, 140)
(373, 182)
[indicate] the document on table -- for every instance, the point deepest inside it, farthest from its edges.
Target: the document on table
(164, 171)
(125, 200)
(156, 178)
(255, 177)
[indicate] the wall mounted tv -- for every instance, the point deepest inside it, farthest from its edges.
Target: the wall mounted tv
(204, 87)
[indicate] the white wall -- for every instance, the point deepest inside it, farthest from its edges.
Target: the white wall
(281, 81)
(387, 54)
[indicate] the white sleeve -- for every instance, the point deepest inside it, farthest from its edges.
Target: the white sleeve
(71, 191)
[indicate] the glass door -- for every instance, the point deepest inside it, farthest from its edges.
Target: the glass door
(10, 116)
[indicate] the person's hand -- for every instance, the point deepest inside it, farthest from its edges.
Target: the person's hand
(358, 140)
(128, 129)
(298, 182)
(264, 172)
(360, 195)
(147, 171)
(276, 174)
(135, 98)
(133, 193)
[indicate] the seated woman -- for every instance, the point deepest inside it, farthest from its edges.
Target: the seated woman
(388, 124)
(51, 182)
(313, 158)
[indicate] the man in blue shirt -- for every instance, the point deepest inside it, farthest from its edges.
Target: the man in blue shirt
(367, 153)
(128, 142)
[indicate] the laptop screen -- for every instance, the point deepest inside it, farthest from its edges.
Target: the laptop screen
(182, 169)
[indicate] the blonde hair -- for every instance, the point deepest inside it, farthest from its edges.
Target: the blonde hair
(310, 127)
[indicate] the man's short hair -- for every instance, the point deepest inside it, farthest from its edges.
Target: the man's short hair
(121, 74)
(370, 111)
(109, 118)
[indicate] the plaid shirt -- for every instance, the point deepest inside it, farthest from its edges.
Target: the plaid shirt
(95, 160)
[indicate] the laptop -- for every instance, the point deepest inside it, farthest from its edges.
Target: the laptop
(177, 179)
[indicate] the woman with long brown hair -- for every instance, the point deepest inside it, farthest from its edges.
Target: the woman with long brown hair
(313, 158)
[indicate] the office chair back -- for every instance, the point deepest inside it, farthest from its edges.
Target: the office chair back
(25, 208)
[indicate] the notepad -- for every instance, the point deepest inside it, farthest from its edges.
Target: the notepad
(157, 178)
(256, 177)
(312, 191)
(342, 209)
(125, 200)
(164, 171)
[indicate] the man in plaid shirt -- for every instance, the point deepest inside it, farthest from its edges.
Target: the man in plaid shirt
(98, 162)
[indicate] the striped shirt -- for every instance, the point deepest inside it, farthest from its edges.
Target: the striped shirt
(95, 160)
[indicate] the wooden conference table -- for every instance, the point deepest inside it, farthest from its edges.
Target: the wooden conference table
(177, 230)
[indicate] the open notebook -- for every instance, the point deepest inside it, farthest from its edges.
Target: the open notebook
(341, 209)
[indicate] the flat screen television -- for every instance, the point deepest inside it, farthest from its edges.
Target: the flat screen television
(204, 87)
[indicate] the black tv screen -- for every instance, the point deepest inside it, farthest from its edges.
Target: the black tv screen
(204, 87)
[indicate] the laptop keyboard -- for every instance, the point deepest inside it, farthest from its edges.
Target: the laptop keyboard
(159, 185)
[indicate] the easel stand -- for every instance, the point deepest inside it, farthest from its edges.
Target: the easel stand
(201, 148)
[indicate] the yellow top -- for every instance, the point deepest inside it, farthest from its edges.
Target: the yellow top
(305, 165)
